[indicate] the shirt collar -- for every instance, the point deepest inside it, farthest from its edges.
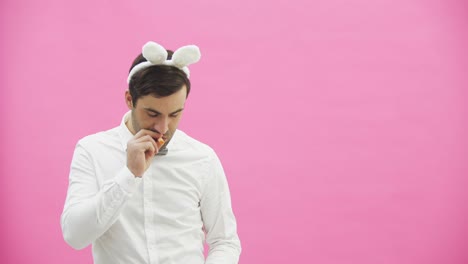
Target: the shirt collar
(124, 132)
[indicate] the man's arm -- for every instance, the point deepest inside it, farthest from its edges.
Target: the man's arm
(218, 218)
(90, 211)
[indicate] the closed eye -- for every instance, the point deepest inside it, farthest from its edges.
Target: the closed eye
(152, 114)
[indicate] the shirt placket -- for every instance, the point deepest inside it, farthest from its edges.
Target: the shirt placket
(149, 215)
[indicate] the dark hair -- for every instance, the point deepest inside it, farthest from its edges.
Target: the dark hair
(157, 80)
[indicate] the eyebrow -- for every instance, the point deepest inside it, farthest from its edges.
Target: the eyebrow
(159, 113)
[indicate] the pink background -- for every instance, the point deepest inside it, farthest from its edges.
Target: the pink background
(341, 124)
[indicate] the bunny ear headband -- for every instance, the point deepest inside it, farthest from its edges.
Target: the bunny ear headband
(155, 54)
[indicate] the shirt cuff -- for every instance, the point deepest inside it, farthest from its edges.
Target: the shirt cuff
(126, 180)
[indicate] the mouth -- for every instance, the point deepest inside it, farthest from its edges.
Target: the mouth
(161, 141)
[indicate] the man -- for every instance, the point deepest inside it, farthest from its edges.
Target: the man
(146, 192)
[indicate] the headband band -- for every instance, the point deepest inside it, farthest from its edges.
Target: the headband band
(155, 54)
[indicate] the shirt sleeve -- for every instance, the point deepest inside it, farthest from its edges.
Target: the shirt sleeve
(218, 218)
(89, 209)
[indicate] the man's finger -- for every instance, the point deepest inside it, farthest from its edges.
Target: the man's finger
(144, 132)
(147, 146)
(144, 139)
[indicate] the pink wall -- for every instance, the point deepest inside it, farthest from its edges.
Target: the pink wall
(341, 124)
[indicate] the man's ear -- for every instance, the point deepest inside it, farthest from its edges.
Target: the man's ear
(128, 100)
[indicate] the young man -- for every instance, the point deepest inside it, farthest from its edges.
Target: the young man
(146, 192)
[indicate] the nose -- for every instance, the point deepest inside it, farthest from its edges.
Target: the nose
(162, 125)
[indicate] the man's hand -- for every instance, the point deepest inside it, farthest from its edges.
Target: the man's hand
(141, 150)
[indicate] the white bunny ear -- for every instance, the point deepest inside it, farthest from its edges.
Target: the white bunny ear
(154, 53)
(186, 55)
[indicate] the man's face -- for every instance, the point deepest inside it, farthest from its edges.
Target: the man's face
(161, 115)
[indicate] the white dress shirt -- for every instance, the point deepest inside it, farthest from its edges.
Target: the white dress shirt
(160, 218)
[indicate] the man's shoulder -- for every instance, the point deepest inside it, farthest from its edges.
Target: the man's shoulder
(110, 136)
(184, 141)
